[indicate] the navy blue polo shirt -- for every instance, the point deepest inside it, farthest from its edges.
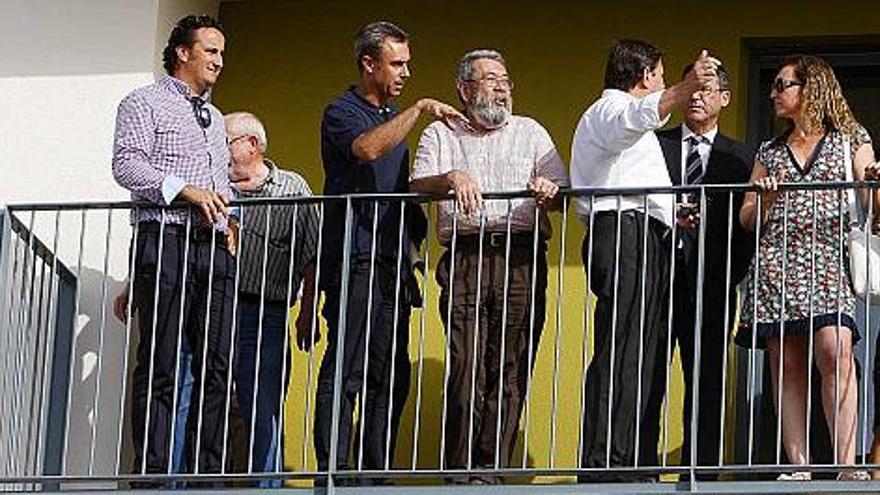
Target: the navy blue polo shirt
(346, 118)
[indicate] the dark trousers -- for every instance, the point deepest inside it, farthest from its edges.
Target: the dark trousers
(181, 310)
(710, 379)
(612, 385)
(477, 332)
(274, 359)
(381, 393)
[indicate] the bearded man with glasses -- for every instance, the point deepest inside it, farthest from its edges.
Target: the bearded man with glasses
(495, 151)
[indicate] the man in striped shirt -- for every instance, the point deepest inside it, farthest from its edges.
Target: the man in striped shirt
(278, 247)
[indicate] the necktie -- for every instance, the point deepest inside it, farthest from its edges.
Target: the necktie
(694, 162)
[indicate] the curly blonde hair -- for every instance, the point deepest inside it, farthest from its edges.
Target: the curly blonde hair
(823, 104)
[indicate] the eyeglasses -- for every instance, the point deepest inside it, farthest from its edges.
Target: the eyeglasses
(494, 82)
(203, 115)
(229, 141)
(781, 85)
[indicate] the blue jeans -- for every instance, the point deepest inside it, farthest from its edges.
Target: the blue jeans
(273, 358)
(184, 391)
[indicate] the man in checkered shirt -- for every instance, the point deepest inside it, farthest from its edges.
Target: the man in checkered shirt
(170, 144)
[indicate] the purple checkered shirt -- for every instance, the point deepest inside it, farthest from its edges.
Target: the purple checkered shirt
(160, 147)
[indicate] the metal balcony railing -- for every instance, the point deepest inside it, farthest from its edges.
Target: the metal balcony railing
(462, 358)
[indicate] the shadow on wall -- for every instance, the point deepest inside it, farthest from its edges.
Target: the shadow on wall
(96, 388)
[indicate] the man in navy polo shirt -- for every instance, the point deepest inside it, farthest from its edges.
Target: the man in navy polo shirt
(363, 150)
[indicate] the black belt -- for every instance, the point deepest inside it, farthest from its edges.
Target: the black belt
(196, 234)
(498, 240)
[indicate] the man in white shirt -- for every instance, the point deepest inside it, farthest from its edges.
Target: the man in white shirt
(614, 146)
(496, 152)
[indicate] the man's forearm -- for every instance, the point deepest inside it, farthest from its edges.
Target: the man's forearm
(675, 97)
(435, 184)
(308, 297)
(374, 143)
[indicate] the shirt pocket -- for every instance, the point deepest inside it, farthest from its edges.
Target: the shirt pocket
(515, 176)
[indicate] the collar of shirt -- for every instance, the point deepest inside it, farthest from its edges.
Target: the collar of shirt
(270, 179)
(175, 85)
(709, 135)
(355, 97)
(704, 147)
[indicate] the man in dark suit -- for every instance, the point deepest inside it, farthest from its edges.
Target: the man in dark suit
(696, 153)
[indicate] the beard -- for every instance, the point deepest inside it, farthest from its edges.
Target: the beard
(490, 113)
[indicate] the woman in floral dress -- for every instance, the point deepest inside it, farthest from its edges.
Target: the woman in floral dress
(801, 276)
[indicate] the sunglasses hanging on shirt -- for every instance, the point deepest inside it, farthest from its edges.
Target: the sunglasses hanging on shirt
(203, 115)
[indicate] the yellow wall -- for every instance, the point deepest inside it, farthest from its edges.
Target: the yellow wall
(286, 60)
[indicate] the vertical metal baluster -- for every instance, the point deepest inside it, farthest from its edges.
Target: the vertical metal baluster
(73, 337)
(98, 365)
(50, 343)
(279, 435)
(753, 351)
(175, 391)
(232, 337)
(503, 340)
(261, 313)
(367, 336)
(207, 332)
(536, 231)
(311, 367)
(476, 355)
(450, 293)
(340, 346)
(422, 325)
(23, 327)
(39, 347)
(726, 344)
(868, 300)
(394, 330)
(559, 284)
(811, 337)
(841, 218)
(642, 290)
(673, 240)
(585, 353)
(155, 310)
(613, 332)
(233, 333)
(5, 415)
(28, 269)
(124, 381)
(698, 340)
(780, 368)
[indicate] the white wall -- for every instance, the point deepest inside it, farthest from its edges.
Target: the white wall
(66, 65)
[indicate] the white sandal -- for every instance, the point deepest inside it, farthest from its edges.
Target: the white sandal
(796, 476)
(859, 475)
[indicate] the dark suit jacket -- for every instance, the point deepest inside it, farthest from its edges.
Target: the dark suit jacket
(729, 163)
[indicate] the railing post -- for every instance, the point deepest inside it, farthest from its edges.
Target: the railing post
(698, 334)
(340, 348)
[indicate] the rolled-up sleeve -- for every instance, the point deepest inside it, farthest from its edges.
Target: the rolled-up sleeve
(132, 147)
(427, 160)
(625, 122)
(548, 163)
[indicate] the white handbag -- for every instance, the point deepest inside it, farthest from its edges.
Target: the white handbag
(864, 246)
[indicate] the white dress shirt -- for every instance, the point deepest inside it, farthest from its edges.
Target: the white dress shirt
(704, 147)
(614, 146)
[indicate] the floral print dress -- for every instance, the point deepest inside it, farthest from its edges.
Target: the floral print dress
(801, 269)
